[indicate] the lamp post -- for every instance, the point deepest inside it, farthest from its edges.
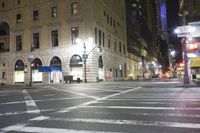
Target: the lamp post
(30, 59)
(84, 60)
(186, 79)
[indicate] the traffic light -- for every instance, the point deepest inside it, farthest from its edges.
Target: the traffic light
(192, 47)
(32, 47)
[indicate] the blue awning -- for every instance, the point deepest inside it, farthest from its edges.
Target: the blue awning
(49, 68)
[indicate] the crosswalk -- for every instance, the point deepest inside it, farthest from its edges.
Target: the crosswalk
(134, 110)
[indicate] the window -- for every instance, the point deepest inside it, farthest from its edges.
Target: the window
(18, 2)
(2, 4)
(1, 46)
(53, 12)
(109, 42)
(115, 45)
(18, 18)
(103, 39)
(104, 13)
(107, 18)
(95, 30)
(74, 8)
(124, 49)
(74, 34)
(54, 38)
(111, 21)
(99, 37)
(120, 47)
(35, 15)
(19, 42)
(36, 40)
(3, 75)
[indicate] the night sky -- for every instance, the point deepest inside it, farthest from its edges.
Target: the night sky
(173, 22)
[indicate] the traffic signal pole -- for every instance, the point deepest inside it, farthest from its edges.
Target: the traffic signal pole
(186, 79)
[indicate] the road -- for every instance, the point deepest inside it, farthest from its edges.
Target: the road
(112, 107)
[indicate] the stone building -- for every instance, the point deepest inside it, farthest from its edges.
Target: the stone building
(46, 40)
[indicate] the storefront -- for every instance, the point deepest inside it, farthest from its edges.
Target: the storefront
(19, 72)
(36, 74)
(76, 67)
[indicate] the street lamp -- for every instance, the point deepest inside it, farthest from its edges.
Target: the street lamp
(30, 59)
(89, 41)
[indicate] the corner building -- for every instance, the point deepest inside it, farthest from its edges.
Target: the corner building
(61, 34)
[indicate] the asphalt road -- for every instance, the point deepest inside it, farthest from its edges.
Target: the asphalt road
(133, 107)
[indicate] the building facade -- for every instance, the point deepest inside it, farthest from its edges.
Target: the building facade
(46, 40)
(141, 38)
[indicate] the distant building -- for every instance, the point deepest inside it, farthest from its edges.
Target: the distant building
(142, 35)
(53, 28)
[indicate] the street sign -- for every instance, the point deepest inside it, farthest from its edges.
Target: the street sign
(196, 27)
(183, 31)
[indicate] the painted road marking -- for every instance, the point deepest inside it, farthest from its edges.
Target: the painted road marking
(30, 104)
(132, 122)
(23, 128)
(97, 100)
(25, 112)
(140, 107)
(57, 99)
(154, 99)
(72, 92)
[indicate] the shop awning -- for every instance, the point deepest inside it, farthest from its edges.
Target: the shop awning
(49, 68)
(195, 62)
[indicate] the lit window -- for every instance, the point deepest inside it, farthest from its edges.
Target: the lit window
(19, 42)
(74, 8)
(18, 18)
(53, 12)
(74, 34)
(54, 38)
(35, 15)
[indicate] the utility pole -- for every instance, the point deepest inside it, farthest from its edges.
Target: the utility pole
(186, 79)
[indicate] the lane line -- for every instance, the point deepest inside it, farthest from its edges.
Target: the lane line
(132, 122)
(97, 100)
(30, 104)
(86, 103)
(25, 112)
(22, 128)
(138, 107)
(153, 99)
(57, 99)
(72, 92)
(149, 114)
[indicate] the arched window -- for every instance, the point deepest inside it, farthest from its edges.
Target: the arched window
(100, 62)
(76, 61)
(55, 61)
(19, 65)
(36, 63)
(2, 32)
